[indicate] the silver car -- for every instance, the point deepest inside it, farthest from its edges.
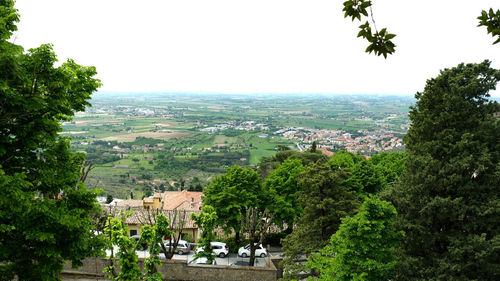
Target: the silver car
(182, 247)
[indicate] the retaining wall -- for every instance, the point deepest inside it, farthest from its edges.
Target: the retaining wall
(176, 270)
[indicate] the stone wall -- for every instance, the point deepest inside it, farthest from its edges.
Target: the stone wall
(176, 270)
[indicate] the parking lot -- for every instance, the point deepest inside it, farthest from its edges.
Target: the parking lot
(228, 260)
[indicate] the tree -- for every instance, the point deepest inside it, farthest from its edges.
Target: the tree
(44, 208)
(283, 189)
(313, 147)
(391, 165)
(109, 198)
(363, 247)
(363, 177)
(230, 193)
(206, 221)
(177, 220)
(366, 178)
(254, 224)
(324, 200)
(448, 197)
(117, 233)
(343, 159)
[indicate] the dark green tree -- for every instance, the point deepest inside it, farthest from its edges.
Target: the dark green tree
(44, 208)
(363, 247)
(449, 193)
(313, 147)
(324, 200)
(231, 192)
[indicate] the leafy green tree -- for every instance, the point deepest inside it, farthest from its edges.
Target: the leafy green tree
(391, 165)
(269, 163)
(283, 189)
(44, 208)
(366, 178)
(231, 192)
(324, 200)
(363, 177)
(363, 247)
(117, 232)
(206, 221)
(449, 193)
(343, 159)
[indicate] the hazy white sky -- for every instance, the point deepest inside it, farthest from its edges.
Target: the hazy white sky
(257, 45)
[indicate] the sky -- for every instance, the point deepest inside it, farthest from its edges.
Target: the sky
(257, 46)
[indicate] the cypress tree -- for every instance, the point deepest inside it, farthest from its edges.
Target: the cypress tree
(448, 198)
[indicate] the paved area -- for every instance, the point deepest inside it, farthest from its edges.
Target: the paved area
(228, 260)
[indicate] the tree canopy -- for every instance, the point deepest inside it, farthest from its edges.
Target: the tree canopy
(231, 192)
(363, 247)
(44, 208)
(284, 190)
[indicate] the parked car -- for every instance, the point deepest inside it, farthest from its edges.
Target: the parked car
(220, 249)
(260, 251)
(182, 247)
(202, 261)
(143, 246)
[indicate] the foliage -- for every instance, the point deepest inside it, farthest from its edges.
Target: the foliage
(366, 178)
(380, 41)
(363, 247)
(324, 200)
(231, 192)
(343, 159)
(206, 221)
(363, 177)
(390, 164)
(45, 208)
(282, 186)
(269, 163)
(448, 196)
(154, 235)
(491, 20)
(117, 232)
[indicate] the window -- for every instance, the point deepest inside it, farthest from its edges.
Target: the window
(133, 232)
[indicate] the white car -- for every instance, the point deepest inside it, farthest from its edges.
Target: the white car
(260, 251)
(219, 248)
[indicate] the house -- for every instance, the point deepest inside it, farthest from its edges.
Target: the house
(176, 205)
